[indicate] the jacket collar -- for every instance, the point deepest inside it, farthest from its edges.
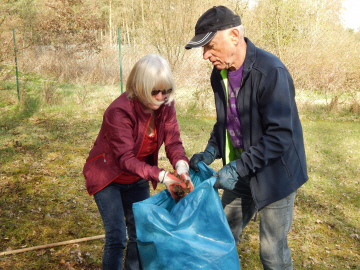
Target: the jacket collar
(250, 57)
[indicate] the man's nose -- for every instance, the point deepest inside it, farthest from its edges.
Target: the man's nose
(206, 55)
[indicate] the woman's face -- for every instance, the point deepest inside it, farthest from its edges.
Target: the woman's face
(159, 94)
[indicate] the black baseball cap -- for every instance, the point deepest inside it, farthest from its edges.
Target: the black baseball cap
(215, 19)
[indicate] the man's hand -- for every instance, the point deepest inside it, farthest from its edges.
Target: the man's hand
(170, 180)
(227, 176)
(208, 157)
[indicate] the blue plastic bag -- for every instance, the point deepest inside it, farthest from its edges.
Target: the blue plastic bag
(192, 234)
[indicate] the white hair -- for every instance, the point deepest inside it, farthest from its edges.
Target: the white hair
(151, 72)
(240, 28)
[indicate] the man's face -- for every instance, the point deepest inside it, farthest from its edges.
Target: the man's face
(221, 50)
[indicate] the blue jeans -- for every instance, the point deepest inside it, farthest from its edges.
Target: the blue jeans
(115, 206)
(275, 223)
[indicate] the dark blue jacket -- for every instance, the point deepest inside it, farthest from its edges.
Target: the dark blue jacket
(274, 155)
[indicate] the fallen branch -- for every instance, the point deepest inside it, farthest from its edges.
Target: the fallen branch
(53, 245)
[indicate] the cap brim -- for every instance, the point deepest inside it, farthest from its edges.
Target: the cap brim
(200, 40)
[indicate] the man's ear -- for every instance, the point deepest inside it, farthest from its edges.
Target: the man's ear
(234, 35)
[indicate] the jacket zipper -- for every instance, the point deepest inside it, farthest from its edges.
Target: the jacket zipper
(256, 208)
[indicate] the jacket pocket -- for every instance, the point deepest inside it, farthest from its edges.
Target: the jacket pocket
(286, 167)
(98, 173)
(103, 155)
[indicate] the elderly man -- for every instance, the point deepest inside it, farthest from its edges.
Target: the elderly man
(257, 134)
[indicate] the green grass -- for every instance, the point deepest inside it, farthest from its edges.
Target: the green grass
(43, 200)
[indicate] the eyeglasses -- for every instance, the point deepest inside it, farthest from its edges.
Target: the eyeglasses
(164, 92)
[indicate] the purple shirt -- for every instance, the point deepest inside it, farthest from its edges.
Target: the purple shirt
(233, 120)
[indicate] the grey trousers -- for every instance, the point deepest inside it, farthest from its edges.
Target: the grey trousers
(275, 223)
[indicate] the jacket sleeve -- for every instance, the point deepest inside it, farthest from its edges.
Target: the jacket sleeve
(275, 98)
(121, 135)
(173, 144)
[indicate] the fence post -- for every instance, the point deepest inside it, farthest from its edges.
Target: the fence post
(16, 67)
(120, 60)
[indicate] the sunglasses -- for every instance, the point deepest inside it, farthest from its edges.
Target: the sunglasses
(164, 92)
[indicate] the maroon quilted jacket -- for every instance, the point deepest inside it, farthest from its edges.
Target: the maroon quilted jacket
(120, 138)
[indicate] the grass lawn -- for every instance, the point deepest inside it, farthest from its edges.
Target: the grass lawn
(43, 200)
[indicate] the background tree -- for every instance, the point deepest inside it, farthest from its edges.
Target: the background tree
(309, 38)
(69, 22)
(306, 34)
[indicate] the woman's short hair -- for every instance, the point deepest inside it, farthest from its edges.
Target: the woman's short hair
(151, 72)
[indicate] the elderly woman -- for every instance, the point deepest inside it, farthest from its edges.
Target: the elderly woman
(124, 157)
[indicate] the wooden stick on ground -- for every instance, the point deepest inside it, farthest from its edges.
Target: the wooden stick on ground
(53, 244)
